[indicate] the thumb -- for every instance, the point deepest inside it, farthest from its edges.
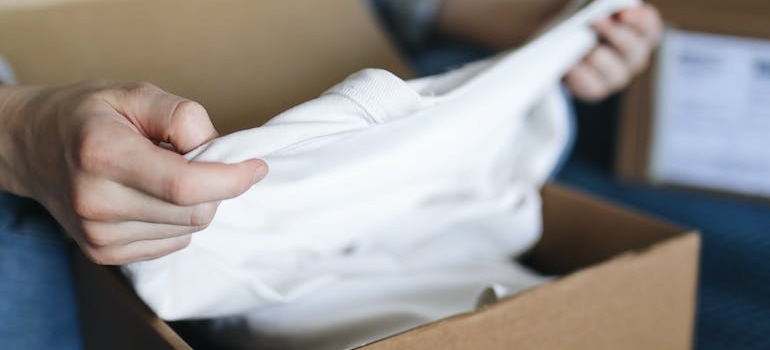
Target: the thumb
(164, 117)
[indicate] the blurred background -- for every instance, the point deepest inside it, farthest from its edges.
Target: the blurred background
(688, 141)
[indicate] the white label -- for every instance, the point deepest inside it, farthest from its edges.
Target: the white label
(712, 118)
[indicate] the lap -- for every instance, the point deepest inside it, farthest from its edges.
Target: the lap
(38, 309)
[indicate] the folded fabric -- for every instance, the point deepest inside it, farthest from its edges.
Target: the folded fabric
(388, 203)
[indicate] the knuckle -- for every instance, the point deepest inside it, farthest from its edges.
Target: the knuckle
(98, 238)
(180, 190)
(91, 152)
(102, 256)
(88, 206)
(140, 89)
(189, 112)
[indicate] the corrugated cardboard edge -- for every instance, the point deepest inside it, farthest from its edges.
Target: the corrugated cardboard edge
(742, 18)
(112, 317)
(641, 299)
(540, 318)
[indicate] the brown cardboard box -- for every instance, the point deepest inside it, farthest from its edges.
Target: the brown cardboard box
(628, 281)
(244, 60)
(744, 18)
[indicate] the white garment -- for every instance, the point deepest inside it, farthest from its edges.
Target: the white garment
(388, 203)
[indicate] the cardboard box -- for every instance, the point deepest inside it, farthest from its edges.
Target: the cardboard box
(636, 132)
(628, 282)
(244, 60)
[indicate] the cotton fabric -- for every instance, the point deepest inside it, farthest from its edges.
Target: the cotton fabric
(389, 203)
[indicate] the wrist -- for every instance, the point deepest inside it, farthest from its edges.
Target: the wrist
(18, 115)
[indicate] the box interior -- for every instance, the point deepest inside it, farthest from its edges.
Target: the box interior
(629, 280)
(626, 271)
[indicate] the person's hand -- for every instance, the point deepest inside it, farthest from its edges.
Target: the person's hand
(91, 154)
(627, 42)
(627, 39)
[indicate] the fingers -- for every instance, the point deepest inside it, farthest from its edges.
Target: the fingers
(138, 163)
(646, 20)
(586, 83)
(169, 177)
(161, 116)
(100, 235)
(106, 201)
(114, 190)
(119, 154)
(136, 251)
(627, 42)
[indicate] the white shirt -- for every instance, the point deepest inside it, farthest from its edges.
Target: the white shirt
(388, 203)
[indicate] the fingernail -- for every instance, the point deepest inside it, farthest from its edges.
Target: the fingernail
(260, 171)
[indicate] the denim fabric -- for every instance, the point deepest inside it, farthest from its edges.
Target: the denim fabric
(37, 298)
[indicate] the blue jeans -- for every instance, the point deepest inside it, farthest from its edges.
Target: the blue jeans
(38, 309)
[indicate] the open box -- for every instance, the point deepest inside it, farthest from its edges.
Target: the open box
(628, 282)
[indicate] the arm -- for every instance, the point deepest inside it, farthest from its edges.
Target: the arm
(89, 153)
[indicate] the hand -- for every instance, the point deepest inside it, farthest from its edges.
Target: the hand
(90, 154)
(628, 39)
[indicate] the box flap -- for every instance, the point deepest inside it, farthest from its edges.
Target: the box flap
(641, 299)
(580, 231)
(645, 301)
(244, 60)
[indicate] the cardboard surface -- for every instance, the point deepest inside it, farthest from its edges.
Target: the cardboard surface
(631, 285)
(643, 298)
(744, 18)
(245, 61)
